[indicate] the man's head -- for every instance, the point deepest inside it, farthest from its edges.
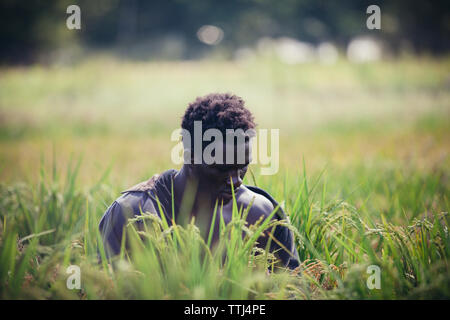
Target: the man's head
(227, 115)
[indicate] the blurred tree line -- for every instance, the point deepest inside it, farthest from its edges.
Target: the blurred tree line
(32, 29)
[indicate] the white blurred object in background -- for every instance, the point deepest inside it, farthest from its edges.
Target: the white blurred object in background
(210, 35)
(292, 51)
(327, 53)
(363, 49)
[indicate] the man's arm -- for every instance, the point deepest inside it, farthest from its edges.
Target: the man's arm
(287, 253)
(111, 228)
(116, 217)
(283, 241)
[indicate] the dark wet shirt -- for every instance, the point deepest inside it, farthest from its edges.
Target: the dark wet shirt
(144, 197)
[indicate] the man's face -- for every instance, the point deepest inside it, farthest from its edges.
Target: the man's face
(218, 178)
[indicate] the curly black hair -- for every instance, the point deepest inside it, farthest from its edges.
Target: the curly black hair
(218, 110)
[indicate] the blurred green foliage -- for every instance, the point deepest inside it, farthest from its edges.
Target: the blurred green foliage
(34, 29)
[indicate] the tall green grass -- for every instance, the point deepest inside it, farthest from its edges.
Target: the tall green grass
(49, 226)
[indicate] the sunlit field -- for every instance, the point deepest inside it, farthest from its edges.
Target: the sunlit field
(364, 177)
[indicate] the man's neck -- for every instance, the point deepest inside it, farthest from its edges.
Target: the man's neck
(188, 191)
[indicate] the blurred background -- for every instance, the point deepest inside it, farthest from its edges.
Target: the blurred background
(343, 96)
(181, 29)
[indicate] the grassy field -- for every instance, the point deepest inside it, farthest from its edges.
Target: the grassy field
(364, 177)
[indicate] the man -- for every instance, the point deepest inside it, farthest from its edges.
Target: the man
(202, 183)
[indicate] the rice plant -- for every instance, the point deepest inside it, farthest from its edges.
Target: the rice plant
(47, 227)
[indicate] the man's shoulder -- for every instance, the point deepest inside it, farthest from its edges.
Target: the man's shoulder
(150, 183)
(143, 186)
(147, 195)
(265, 196)
(261, 205)
(134, 197)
